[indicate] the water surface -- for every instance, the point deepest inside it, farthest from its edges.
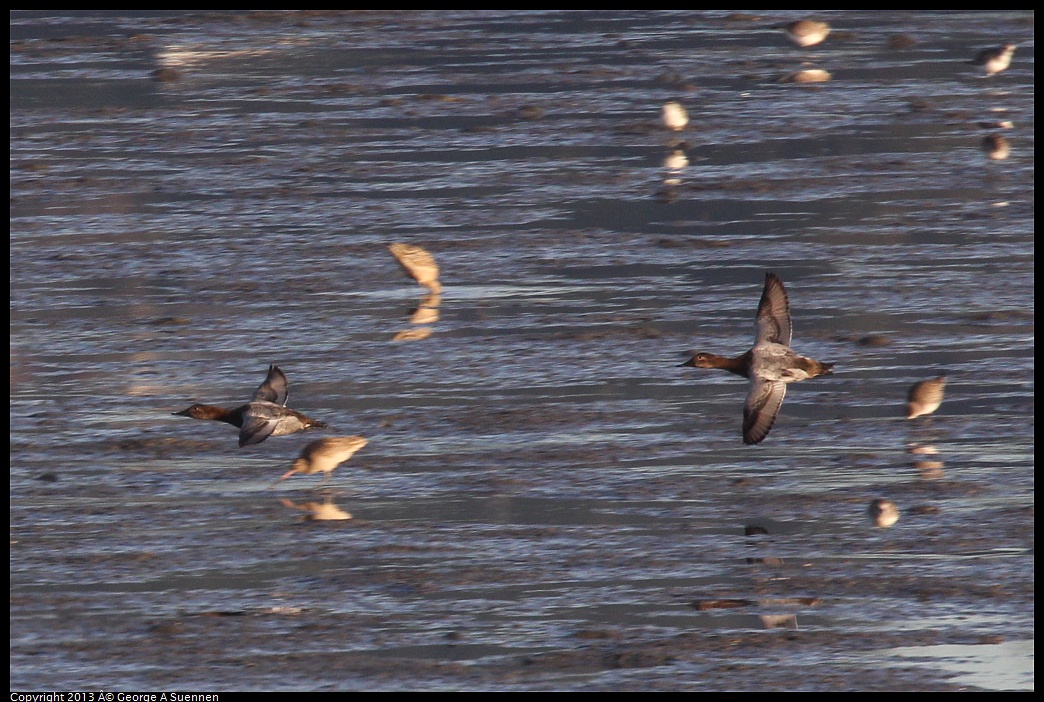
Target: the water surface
(547, 501)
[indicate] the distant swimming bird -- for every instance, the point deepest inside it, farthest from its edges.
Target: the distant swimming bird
(994, 61)
(806, 33)
(996, 147)
(675, 117)
(323, 455)
(265, 415)
(883, 513)
(925, 397)
(770, 364)
(808, 75)
(419, 264)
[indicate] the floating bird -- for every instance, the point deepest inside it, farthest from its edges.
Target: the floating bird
(996, 147)
(264, 416)
(994, 61)
(883, 513)
(925, 397)
(323, 455)
(675, 116)
(808, 75)
(997, 124)
(770, 364)
(806, 33)
(419, 264)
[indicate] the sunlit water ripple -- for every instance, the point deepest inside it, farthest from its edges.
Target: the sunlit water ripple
(547, 501)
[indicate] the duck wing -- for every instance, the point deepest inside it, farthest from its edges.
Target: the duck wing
(260, 420)
(761, 407)
(275, 389)
(772, 322)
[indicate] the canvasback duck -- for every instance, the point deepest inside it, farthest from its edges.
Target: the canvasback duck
(806, 33)
(264, 416)
(769, 365)
(925, 397)
(323, 455)
(675, 116)
(994, 61)
(418, 264)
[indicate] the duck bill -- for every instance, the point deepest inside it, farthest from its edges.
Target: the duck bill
(691, 363)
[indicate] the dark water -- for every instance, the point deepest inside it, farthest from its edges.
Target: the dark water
(547, 501)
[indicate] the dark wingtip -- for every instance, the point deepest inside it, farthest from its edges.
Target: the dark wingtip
(752, 437)
(754, 434)
(773, 279)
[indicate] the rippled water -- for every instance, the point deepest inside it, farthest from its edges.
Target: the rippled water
(547, 501)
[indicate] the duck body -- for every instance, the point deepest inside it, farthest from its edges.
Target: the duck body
(256, 420)
(769, 365)
(774, 362)
(264, 416)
